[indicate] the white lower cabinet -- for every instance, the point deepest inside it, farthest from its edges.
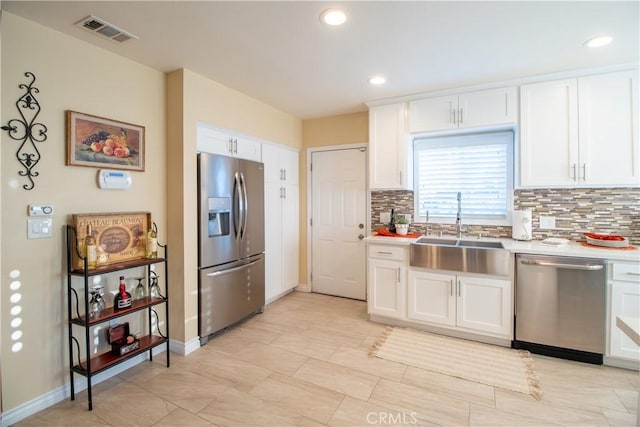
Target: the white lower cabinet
(624, 301)
(386, 281)
(477, 304)
(431, 298)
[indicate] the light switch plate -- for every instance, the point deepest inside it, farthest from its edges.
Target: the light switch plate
(547, 222)
(385, 217)
(39, 228)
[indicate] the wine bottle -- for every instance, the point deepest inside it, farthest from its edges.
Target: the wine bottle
(90, 249)
(122, 299)
(152, 244)
(392, 223)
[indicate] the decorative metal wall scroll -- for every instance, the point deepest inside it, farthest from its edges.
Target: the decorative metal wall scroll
(27, 130)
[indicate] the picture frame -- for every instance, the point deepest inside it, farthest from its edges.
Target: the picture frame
(100, 142)
(120, 236)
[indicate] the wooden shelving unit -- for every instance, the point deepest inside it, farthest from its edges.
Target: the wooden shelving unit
(78, 305)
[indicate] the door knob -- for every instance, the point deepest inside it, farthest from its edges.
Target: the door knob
(361, 236)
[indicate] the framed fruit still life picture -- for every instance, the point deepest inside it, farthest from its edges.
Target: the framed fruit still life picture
(104, 143)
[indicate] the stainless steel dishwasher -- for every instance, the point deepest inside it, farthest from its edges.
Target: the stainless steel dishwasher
(561, 306)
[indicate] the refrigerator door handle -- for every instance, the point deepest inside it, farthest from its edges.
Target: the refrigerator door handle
(237, 213)
(245, 207)
(231, 270)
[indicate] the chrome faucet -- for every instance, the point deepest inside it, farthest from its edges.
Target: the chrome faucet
(426, 223)
(459, 215)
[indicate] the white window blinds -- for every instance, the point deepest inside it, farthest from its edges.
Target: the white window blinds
(480, 166)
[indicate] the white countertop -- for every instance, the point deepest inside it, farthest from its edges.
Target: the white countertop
(573, 249)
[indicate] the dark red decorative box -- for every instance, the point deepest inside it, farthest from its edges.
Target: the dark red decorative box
(122, 342)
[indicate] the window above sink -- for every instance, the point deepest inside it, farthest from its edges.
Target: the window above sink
(478, 165)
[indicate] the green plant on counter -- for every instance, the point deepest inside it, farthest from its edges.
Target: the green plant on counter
(402, 220)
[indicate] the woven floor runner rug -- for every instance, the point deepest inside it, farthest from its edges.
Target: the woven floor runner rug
(488, 364)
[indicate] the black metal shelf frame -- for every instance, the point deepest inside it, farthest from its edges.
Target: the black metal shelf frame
(96, 364)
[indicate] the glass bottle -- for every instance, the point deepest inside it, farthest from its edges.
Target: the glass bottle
(122, 299)
(90, 249)
(139, 291)
(152, 244)
(392, 223)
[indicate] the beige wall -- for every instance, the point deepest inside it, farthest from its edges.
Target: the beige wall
(327, 131)
(70, 75)
(199, 99)
(73, 75)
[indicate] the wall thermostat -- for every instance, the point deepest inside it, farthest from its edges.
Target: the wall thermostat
(114, 180)
(40, 210)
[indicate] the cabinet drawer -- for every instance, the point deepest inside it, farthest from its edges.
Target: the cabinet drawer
(628, 272)
(387, 252)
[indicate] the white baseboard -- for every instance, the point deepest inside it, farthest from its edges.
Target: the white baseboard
(633, 365)
(183, 348)
(303, 288)
(52, 397)
(280, 295)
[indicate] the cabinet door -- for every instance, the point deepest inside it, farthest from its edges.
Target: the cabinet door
(209, 140)
(431, 298)
(271, 160)
(386, 295)
(280, 164)
(608, 123)
(488, 107)
(249, 149)
(625, 301)
(289, 164)
(273, 240)
(388, 148)
(431, 114)
(549, 134)
(485, 305)
(290, 236)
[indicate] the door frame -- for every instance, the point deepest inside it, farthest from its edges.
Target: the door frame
(310, 151)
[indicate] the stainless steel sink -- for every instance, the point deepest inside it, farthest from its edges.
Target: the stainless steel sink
(436, 241)
(469, 256)
(480, 244)
(457, 242)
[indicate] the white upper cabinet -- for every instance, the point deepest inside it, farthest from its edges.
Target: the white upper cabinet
(217, 141)
(580, 132)
(608, 129)
(389, 151)
(280, 165)
(548, 133)
(480, 108)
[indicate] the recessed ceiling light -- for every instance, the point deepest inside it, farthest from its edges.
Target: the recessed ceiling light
(377, 80)
(333, 17)
(598, 41)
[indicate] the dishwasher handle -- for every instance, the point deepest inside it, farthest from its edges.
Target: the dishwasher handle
(590, 267)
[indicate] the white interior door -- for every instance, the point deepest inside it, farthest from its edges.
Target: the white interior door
(338, 185)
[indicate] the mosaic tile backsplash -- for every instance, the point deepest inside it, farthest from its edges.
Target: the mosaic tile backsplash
(598, 210)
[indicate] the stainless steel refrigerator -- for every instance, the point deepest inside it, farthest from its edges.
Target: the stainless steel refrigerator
(230, 241)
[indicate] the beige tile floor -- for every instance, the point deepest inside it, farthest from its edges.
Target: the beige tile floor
(304, 362)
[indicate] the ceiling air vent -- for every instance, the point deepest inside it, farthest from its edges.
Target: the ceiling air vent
(105, 29)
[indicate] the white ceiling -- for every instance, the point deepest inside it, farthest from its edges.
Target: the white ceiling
(280, 53)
